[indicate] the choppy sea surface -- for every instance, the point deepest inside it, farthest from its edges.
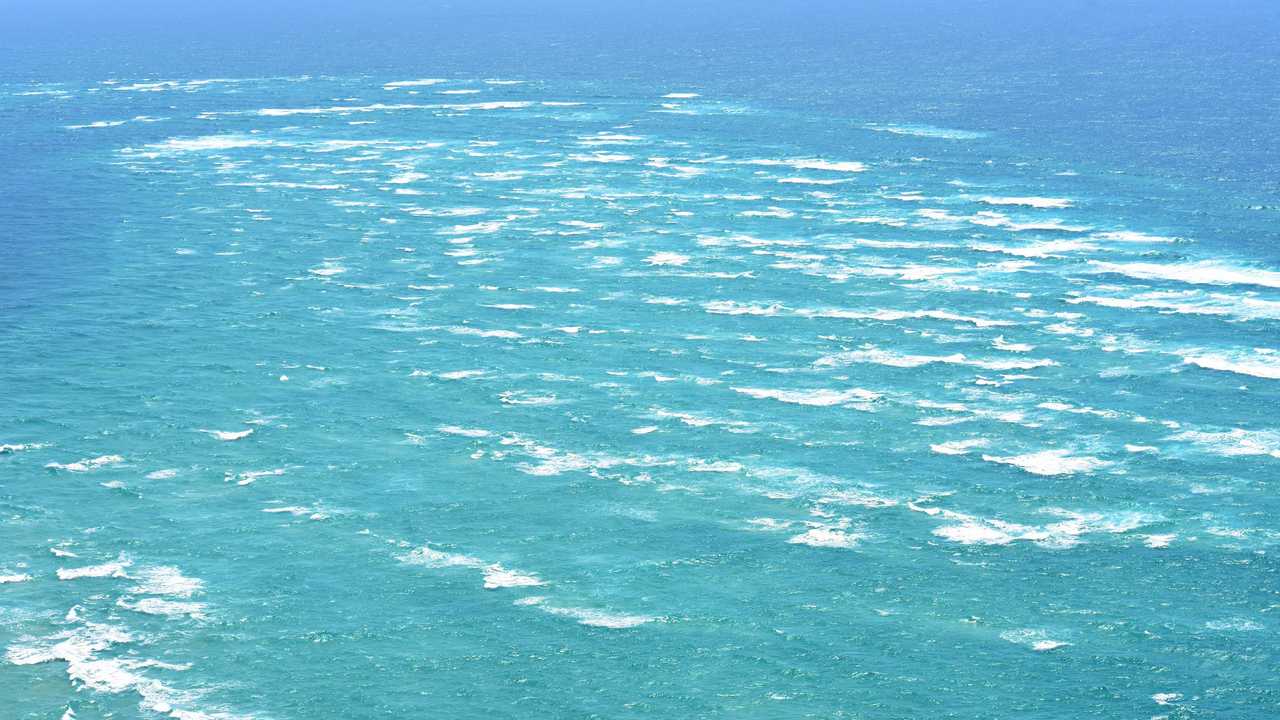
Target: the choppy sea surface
(434, 392)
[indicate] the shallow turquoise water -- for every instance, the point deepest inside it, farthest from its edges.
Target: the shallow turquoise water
(588, 394)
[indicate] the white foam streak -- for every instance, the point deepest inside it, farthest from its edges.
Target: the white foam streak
(819, 398)
(88, 464)
(1196, 273)
(874, 355)
(1050, 462)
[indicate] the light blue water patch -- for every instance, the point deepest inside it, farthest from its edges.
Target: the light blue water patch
(425, 393)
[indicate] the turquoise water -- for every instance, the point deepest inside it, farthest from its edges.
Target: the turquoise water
(612, 373)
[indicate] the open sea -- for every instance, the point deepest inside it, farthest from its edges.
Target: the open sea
(752, 360)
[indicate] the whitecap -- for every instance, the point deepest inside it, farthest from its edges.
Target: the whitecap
(589, 616)
(424, 82)
(819, 398)
(20, 447)
(1037, 640)
(714, 466)
(959, 447)
(496, 576)
(228, 435)
(428, 557)
(88, 464)
(1050, 462)
(109, 569)
(1235, 442)
(1034, 202)
(873, 354)
(168, 608)
(464, 432)
(1196, 273)
(826, 537)
(165, 580)
(1263, 365)
(667, 258)
(928, 131)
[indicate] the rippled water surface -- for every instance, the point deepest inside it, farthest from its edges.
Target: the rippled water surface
(460, 393)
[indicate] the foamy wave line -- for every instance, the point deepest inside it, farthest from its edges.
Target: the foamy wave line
(819, 398)
(969, 529)
(1235, 442)
(1262, 365)
(1204, 272)
(87, 464)
(928, 131)
(1050, 462)
(1034, 202)
(495, 575)
(874, 355)
(79, 649)
(589, 616)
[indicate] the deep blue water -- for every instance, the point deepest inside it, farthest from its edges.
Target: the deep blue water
(910, 360)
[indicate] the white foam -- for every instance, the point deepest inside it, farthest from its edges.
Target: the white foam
(407, 177)
(1234, 443)
(20, 447)
(229, 435)
(496, 576)
(895, 315)
(165, 580)
(826, 537)
(714, 466)
(833, 166)
(731, 307)
(206, 142)
(928, 131)
(1001, 344)
(1263, 365)
(88, 464)
(1037, 640)
(1190, 302)
(168, 608)
(1130, 236)
(680, 95)
(109, 569)
(600, 157)
(1238, 624)
(495, 105)
(872, 354)
(13, 578)
(460, 374)
(959, 447)
(589, 616)
(667, 258)
(1050, 462)
(1196, 273)
(79, 647)
(464, 432)
(97, 124)
(477, 332)
(428, 557)
(819, 398)
(424, 82)
(295, 510)
(341, 109)
(251, 476)
(162, 474)
(1035, 202)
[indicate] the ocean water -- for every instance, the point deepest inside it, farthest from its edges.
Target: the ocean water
(676, 362)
